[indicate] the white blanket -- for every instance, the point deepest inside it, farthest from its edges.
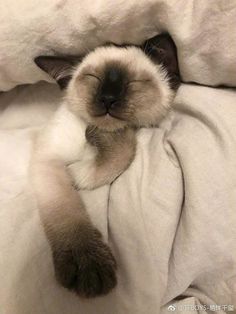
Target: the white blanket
(204, 32)
(171, 217)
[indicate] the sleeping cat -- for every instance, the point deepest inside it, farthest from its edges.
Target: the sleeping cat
(89, 142)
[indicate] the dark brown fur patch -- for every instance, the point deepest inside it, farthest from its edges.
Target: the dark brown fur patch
(162, 50)
(84, 263)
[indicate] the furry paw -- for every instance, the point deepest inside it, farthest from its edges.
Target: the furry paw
(88, 268)
(83, 174)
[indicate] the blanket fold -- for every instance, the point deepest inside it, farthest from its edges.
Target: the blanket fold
(169, 219)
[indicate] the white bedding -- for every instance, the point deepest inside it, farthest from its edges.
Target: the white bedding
(162, 246)
(202, 30)
(171, 217)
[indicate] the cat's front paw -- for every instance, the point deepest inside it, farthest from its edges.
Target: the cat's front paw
(88, 267)
(84, 175)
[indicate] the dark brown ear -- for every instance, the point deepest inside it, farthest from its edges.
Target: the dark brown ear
(162, 50)
(59, 68)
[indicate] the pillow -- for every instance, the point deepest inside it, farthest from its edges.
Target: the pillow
(202, 31)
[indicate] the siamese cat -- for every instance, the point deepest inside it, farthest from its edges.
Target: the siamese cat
(91, 140)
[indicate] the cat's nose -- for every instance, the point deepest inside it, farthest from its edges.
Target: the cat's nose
(108, 101)
(112, 88)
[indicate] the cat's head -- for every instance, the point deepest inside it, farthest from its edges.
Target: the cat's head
(113, 87)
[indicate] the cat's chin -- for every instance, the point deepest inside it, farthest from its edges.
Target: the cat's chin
(109, 123)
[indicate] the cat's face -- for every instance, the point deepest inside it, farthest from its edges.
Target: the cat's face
(114, 87)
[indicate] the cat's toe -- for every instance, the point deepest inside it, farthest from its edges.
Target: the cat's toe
(89, 270)
(96, 273)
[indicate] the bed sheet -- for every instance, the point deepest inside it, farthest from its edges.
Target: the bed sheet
(170, 218)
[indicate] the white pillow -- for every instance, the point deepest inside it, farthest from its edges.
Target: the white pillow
(202, 30)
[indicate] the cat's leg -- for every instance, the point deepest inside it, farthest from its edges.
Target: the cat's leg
(115, 152)
(82, 261)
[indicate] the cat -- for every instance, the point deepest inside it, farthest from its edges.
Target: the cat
(109, 94)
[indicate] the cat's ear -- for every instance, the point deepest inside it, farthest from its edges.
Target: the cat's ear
(59, 68)
(162, 50)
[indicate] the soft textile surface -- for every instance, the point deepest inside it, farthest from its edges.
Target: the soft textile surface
(170, 218)
(204, 32)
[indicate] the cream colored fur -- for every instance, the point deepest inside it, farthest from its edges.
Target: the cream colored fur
(64, 158)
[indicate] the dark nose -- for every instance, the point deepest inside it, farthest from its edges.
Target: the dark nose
(112, 88)
(108, 101)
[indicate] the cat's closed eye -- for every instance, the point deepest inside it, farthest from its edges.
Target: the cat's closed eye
(92, 76)
(138, 81)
